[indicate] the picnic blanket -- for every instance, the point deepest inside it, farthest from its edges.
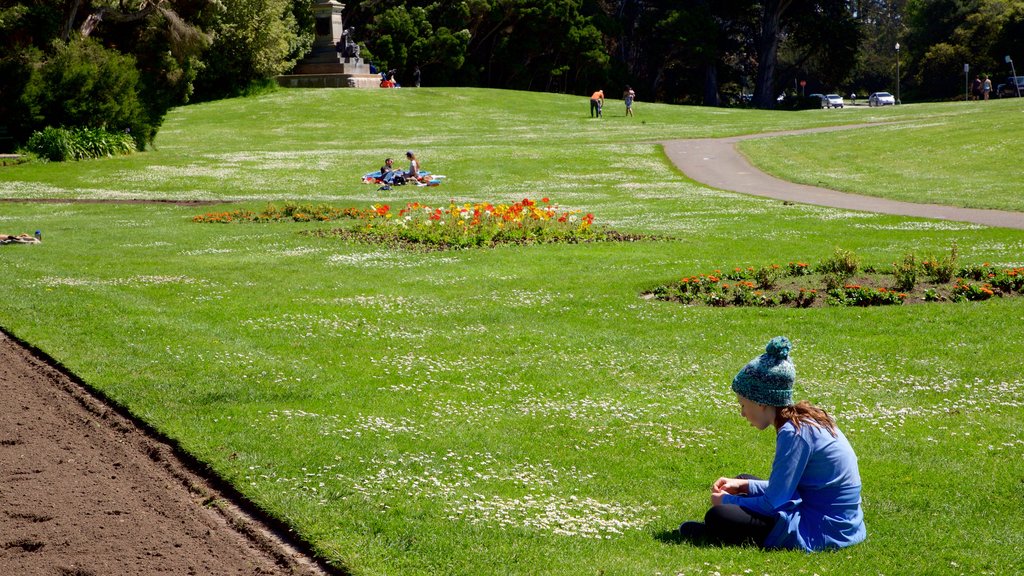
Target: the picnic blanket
(426, 179)
(19, 239)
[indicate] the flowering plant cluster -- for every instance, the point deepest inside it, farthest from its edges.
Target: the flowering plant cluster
(856, 295)
(988, 282)
(481, 224)
(741, 287)
(842, 281)
(290, 212)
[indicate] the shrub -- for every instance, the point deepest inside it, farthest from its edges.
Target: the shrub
(942, 270)
(83, 84)
(854, 295)
(767, 276)
(842, 263)
(964, 290)
(905, 273)
(798, 269)
(60, 144)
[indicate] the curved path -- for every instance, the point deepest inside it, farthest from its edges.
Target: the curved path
(716, 163)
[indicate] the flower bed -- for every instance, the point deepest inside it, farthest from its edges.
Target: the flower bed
(290, 212)
(841, 281)
(477, 225)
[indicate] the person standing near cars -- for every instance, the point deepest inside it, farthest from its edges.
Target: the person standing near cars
(986, 87)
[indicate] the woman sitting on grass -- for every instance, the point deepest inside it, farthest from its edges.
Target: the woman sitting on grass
(811, 500)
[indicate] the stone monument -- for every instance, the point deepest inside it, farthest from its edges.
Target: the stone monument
(334, 61)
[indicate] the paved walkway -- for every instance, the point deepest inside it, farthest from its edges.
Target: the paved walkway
(716, 163)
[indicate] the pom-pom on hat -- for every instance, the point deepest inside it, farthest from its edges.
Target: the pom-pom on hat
(768, 379)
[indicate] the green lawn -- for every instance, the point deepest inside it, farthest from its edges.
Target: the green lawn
(518, 410)
(966, 154)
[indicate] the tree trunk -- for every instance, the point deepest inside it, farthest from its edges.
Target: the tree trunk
(768, 52)
(71, 19)
(711, 85)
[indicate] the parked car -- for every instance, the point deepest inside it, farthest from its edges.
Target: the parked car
(821, 98)
(881, 99)
(1009, 89)
(834, 100)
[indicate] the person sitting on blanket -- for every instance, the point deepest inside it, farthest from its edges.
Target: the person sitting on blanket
(389, 175)
(414, 167)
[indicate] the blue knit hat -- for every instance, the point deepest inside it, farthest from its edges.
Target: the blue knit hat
(768, 379)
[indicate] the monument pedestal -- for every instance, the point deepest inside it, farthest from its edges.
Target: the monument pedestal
(327, 66)
(330, 70)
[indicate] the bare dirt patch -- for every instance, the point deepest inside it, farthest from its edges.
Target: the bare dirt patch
(84, 490)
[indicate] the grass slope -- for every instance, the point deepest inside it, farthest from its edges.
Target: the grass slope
(517, 410)
(968, 154)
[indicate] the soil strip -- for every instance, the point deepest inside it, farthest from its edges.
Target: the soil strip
(115, 201)
(86, 490)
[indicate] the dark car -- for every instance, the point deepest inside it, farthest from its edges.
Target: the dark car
(1014, 86)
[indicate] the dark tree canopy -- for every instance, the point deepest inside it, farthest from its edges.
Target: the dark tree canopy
(706, 52)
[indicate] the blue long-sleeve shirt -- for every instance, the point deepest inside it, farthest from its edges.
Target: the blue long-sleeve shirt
(813, 490)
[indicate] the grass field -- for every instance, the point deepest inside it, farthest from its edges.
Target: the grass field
(970, 156)
(519, 410)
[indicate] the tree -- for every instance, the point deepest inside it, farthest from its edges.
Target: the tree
(253, 41)
(84, 84)
(946, 34)
(882, 24)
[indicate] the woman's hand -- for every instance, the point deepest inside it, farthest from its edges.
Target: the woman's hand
(730, 486)
(723, 486)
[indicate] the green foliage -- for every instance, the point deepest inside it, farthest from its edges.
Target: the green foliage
(905, 273)
(944, 35)
(767, 276)
(737, 288)
(532, 45)
(842, 263)
(942, 269)
(83, 84)
(60, 144)
(856, 295)
(254, 40)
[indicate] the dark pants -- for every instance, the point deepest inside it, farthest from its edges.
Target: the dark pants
(734, 525)
(595, 106)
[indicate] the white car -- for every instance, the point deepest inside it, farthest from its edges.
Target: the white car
(834, 100)
(881, 99)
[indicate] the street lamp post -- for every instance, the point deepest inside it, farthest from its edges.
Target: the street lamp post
(1014, 72)
(897, 72)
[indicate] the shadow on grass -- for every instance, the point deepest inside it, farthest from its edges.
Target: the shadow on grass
(673, 537)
